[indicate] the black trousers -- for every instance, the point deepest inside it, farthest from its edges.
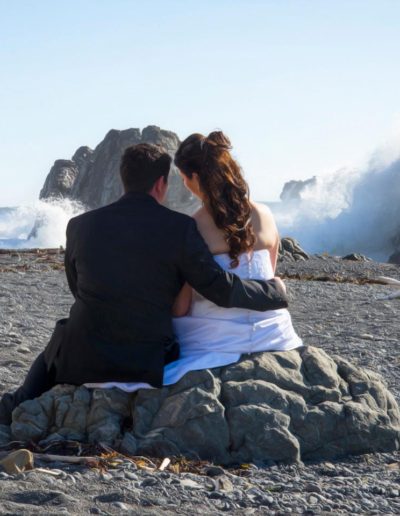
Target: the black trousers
(37, 381)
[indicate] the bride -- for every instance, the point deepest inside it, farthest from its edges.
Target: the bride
(243, 238)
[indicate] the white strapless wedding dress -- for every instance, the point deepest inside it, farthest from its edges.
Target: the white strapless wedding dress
(211, 336)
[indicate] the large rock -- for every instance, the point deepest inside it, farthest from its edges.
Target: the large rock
(290, 250)
(91, 177)
(279, 406)
(293, 190)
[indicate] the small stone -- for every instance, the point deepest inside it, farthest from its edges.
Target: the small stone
(267, 499)
(119, 475)
(367, 502)
(216, 495)
(312, 488)
(214, 471)
(313, 500)
(224, 483)
(149, 481)
(367, 336)
(190, 484)
(121, 505)
(130, 476)
(106, 476)
(24, 350)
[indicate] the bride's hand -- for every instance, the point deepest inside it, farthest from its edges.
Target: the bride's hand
(280, 283)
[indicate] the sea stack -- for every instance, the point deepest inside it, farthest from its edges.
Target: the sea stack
(91, 177)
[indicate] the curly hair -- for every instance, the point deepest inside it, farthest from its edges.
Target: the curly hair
(222, 183)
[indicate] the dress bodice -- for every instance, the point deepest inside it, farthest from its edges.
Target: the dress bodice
(252, 265)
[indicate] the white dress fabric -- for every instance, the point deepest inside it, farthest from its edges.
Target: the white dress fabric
(211, 336)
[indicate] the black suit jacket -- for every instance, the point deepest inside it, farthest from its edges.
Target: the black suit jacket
(125, 265)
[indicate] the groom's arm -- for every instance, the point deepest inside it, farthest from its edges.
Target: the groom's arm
(223, 288)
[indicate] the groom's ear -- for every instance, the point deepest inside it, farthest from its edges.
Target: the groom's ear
(160, 188)
(162, 183)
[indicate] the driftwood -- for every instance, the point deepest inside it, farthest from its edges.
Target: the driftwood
(389, 281)
(56, 458)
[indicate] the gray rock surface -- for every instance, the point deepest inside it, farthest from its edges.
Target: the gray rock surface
(5, 434)
(355, 257)
(290, 250)
(91, 177)
(292, 190)
(275, 406)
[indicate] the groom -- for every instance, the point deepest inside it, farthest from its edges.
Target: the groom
(125, 264)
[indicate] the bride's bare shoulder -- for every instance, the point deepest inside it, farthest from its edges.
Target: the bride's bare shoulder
(262, 211)
(264, 225)
(213, 236)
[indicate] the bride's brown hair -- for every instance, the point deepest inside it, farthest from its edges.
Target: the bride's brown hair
(222, 183)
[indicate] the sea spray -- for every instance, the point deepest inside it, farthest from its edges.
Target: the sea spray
(351, 210)
(41, 224)
(354, 210)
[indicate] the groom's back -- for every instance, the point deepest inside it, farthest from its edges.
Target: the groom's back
(122, 265)
(128, 249)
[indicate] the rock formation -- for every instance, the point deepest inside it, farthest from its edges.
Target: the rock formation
(290, 250)
(92, 176)
(275, 406)
(292, 190)
(356, 257)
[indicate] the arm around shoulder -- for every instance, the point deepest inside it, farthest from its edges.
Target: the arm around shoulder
(224, 288)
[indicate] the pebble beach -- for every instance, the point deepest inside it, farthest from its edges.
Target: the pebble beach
(335, 305)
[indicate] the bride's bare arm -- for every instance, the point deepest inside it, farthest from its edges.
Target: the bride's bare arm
(267, 236)
(274, 252)
(182, 303)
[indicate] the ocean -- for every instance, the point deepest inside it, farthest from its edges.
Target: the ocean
(351, 210)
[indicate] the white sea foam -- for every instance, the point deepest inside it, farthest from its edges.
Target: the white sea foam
(351, 210)
(41, 224)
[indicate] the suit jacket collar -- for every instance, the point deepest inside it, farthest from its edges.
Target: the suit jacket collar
(138, 196)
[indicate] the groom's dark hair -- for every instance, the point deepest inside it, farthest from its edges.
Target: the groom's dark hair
(142, 165)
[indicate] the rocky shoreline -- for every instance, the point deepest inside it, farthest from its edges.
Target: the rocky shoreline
(335, 305)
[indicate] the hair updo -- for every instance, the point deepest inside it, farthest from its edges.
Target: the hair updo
(221, 181)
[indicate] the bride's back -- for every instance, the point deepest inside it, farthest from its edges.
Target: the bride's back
(264, 228)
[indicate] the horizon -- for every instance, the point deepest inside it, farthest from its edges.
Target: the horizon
(301, 89)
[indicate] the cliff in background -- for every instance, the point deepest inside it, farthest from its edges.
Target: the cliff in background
(92, 176)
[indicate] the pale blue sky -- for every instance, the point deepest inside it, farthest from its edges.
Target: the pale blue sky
(301, 87)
